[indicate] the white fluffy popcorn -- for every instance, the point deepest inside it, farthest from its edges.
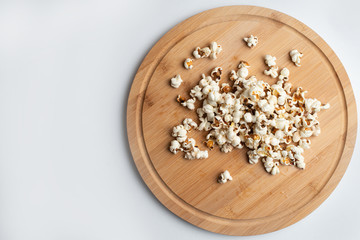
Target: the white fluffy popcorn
(270, 60)
(224, 177)
(202, 52)
(284, 74)
(188, 63)
(243, 71)
(215, 50)
(175, 146)
(184, 144)
(296, 57)
(251, 41)
(273, 121)
(272, 72)
(176, 81)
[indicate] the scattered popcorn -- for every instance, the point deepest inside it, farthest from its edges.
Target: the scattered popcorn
(251, 41)
(185, 144)
(224, 177)
(296, 57)
(176, 81)
(188, 64)
(215, 50)
(273, 121)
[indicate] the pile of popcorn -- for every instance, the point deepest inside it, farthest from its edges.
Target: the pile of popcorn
(272, 121)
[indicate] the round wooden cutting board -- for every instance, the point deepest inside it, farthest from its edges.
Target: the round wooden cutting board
(255, 202)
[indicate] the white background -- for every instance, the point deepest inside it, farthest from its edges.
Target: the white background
(66, 68)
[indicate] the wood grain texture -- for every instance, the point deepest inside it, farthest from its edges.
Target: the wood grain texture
(254, 202)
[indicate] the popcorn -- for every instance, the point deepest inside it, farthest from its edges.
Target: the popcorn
(176, 81)
(216, 73)
(300, 164)
(185, 144)
(275, 170)
(272, 121)
(180, 133)
(215, 50)
(196, 153)
(196, 92)
(296, 57)
(270, 60)
(210, 144)
(189, 124)
(272, 72)
(304, 143)
(224, 177)
(201, 52)
(188, 144)
(284, 74)
(226, 148)
(243, 71)
(175, 146)
(251, 41)
(188, 63)
(253, 156)
(268, 164)
(190, 103)
(233, 75)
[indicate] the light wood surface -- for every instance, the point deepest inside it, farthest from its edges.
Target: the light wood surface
(254, 202)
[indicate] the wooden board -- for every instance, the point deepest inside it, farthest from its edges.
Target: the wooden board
(254, 202)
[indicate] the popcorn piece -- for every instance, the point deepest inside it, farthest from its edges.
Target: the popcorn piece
(196, 153)
(305, 143)
(224, 177)
(210, 144)
(176, 81)
(201, 52)
(196, 92)
(272, 72)
(300, 164)
(243, 71)
(243, 64)
(180, 99)
(296, 57)
(270, 60)
(226, 148)
(251, 41)
(188, 63)
(180, 133)
(189, 124)
(284, 74)
(275, 170)
(175, 146)
(188, 144)
(215, 50)
(225, 87)
(233, 75)
(216, 73)
(190, 103)
(253, 157)
(268, 164)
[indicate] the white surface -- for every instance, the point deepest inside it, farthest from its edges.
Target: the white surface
(66, 68)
